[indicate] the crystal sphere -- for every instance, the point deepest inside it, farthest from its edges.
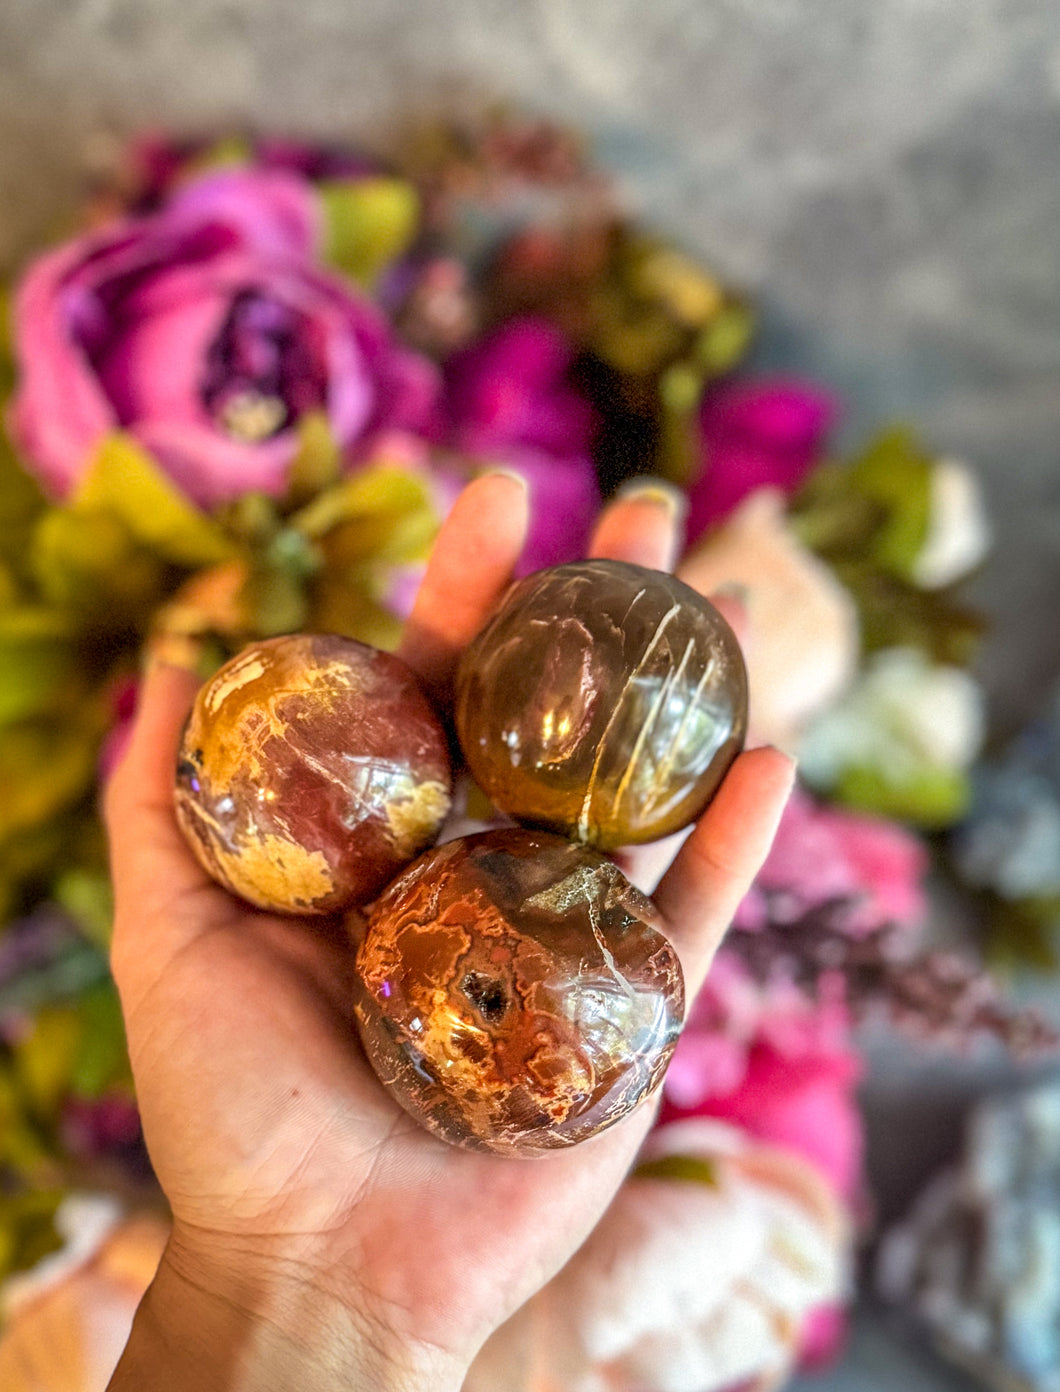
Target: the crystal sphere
(604, 701)
(312, 769)
(515, 993)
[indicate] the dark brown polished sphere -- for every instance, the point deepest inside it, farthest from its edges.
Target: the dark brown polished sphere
(312, 770)
(515, 994)
(604, 701)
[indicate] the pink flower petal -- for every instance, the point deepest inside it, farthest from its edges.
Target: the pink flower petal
(764, 434)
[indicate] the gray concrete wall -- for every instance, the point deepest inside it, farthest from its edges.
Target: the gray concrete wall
(883, 174)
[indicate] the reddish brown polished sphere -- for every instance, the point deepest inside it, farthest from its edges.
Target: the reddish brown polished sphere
(515, 994)
(311, 771)
(604, 701)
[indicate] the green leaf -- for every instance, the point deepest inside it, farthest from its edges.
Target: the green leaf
(230, 152)
(22, 1142)
(88, 896)
(316, 464)
(679, 444)
(44, 768)
(931, 798)
(895, 475)
(38, 662)
(45, 1057)
(88, 562)
(27, 1228)
(101, 1061)
(21, 501)
(689, 1168)
(725, 340)
(369, 223)
(124, 480)
(385, 513)
(340, 607)
(274, 600)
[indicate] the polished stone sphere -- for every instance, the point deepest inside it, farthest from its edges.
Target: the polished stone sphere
(515, 993)
(311, 771)
(603, 701)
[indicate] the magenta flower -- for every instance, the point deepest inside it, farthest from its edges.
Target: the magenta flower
(91, 1127)
(866, 871)
(158, 162)
(764, 434)
(510, 403)
(205, 330)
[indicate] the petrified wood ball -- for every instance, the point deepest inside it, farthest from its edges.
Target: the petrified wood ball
(515, 994)
(604, 701)
(312, 769)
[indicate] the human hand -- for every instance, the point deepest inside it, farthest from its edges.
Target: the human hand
(320, 1236)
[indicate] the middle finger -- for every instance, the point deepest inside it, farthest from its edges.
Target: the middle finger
(643, 525)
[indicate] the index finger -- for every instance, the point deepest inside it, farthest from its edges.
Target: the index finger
(470, 566)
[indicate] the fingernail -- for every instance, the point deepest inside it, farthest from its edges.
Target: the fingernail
(173, 650)
(790, 759)
(499, 471)
(657, 492)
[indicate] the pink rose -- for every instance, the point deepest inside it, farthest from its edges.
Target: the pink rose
(868, 871)
(205, 330)
(511, 404)
(776, 1063)
(765, 434)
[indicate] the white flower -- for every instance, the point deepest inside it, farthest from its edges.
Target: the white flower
(683, 1286)
(958, 531)
(905, 715)
(802, 642)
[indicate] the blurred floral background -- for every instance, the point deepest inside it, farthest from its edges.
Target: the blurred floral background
(242, 385)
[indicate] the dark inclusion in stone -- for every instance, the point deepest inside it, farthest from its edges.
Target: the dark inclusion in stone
(312, 770)
(515, 993)
(604, 701)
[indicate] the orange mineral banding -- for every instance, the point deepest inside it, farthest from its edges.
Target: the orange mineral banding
(311, 771)
(515, 994)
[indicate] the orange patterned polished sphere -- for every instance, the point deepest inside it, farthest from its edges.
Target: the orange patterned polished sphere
(311, 771)
(604, 701)
(515, 994)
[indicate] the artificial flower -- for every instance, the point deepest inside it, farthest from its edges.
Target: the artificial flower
(206, 330)
(760, 434)
(511, 404)
(902, 740)
(958, 533)
(866, 871)
(778, 1063)
(802, 641)
(699, 1277)
(67, 1321)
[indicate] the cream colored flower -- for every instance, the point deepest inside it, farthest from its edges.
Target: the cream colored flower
(67, 1321)
(802, 644)
(684, 1286)
(906, 714)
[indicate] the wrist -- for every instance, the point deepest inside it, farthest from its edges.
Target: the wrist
(226, 1325)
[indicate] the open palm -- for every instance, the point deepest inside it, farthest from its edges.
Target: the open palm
(277, 1148)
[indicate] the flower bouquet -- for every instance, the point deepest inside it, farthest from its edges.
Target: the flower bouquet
(240, 396)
